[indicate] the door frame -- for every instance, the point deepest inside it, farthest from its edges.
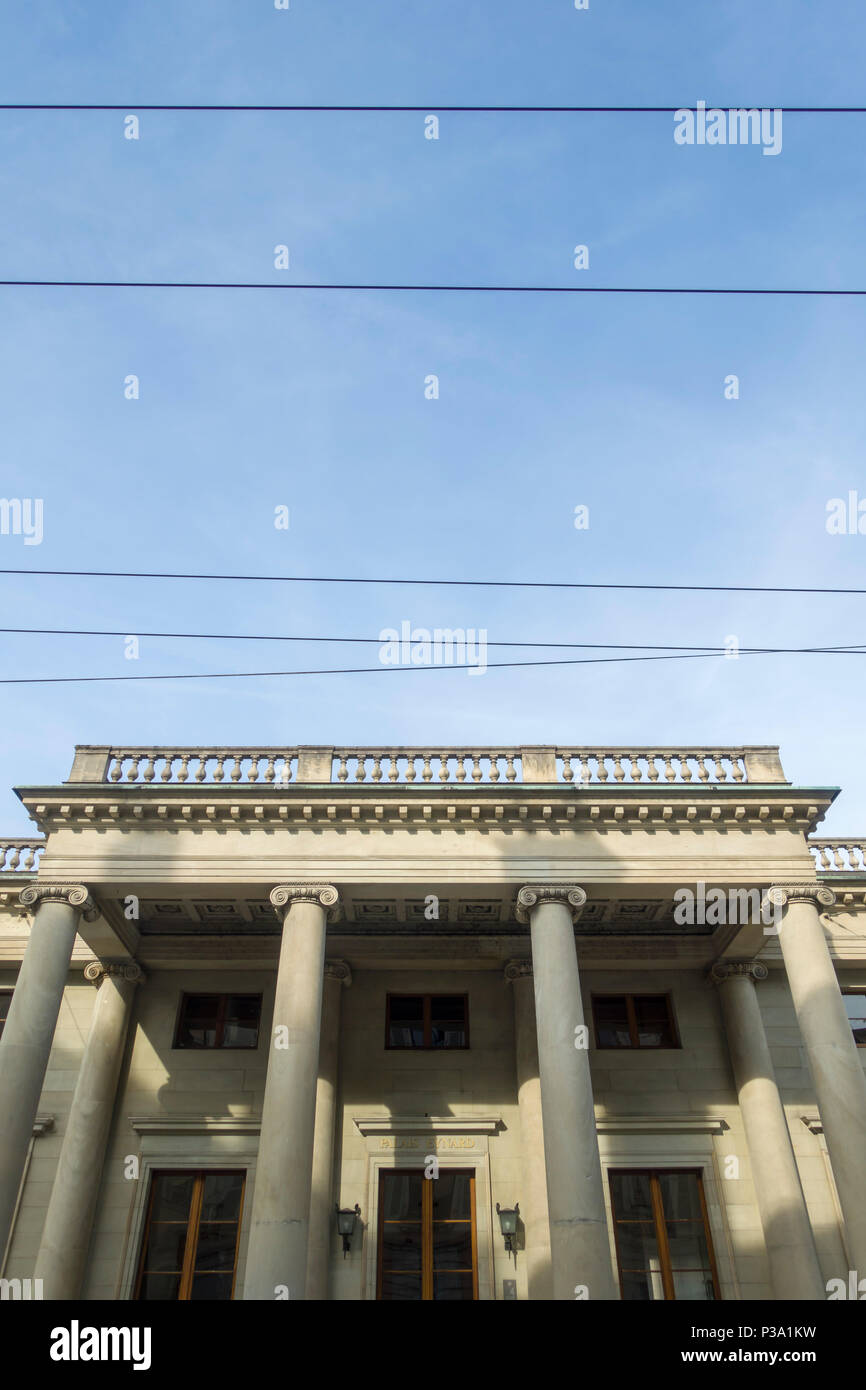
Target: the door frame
(427, 1226)
(479, 1166)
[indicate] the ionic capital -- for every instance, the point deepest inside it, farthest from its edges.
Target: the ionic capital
(781, 894)
(338, 970)
(285, 895)
(752, 970)
(97, 970)
(517, 970)
(73, 894)
(533, 894)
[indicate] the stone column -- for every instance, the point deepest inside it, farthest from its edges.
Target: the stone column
(794, 1268)
(280, 1220)
(337, 974)
(26, 1042)
(69, 1219)
(533, 1197)
(579, 1244)
(837, 1075)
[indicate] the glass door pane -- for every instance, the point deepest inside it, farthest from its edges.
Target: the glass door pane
(401, 1237)
(426, 1237)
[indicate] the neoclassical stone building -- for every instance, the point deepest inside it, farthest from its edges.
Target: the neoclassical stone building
(540, 1022)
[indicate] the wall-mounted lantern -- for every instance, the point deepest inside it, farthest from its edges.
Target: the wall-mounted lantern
(346, 1218)
(508, 1223)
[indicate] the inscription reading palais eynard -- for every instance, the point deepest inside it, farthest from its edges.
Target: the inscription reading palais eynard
(424, 1142)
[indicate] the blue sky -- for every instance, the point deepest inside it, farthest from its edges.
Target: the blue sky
(315, 400)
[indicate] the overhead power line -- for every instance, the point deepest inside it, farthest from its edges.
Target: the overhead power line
(438, 583)
(432, 107)
(853, 648)
(443, 289)
(430, 666)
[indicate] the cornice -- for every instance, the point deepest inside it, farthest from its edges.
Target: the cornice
(483, 806)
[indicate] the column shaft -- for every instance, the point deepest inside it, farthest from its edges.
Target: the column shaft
(834, 1063)
(26, 1042)
(69, 1219)
(579, 1244)
(279, 1226)
(793, 1259)
(533, 1197)
(321, 1203)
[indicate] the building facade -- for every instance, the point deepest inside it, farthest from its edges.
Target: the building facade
(450, 1024)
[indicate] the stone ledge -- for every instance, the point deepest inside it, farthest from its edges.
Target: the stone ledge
(193, 1124)
(429, 1124)
(661, 1124)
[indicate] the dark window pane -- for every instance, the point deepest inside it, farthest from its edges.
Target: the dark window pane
(632, 1196)
(402, 1199)
(401, 1246)
(687, 1245)
(611, 1018)
(198, 1024)
(695, 1285)
(452, 1197)
(216, 1246)
(402, 1036)
(653, 1021)
(452, 1287)
(165, 1247)
(213, 1287)
(221, 1200)
(637, 1244)
(5, 1001)
(448, 1008)
(242, 1021)
(159, 1287)
(447, 1035)
(452, 1246)
(642, 1286)
(681, 1198)
(402, 1287)
(406, 1008)
(171, 1197)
